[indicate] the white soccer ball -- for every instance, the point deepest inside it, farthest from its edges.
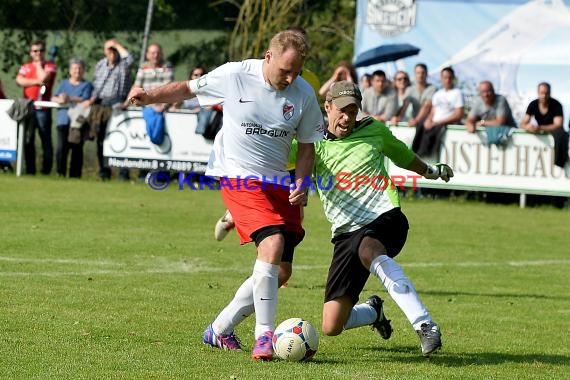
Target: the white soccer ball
(295, 339)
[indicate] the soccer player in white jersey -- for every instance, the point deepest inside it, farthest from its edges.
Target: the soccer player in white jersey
(265, 106)
(368, 227)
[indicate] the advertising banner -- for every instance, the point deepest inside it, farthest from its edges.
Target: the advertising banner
(526, 165)
(127, 144)
(8, 133)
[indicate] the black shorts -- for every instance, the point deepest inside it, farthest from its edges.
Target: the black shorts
(347, 276)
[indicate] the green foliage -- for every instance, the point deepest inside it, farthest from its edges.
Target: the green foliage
(114, 280)
(79, 29)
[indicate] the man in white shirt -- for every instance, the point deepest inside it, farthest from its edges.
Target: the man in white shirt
(266, 105)
(447, 108)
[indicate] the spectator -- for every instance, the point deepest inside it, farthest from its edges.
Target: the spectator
(365, 82)
(5, 166)
(111, 83)
(447, 108)
(545, 115)
(153, 73)
(37, 79)
(2, 94)
(269, 106)
(344, 71)
(379, 100)
(423, 92)
(407, 106)
(492, 112)
(71, 92)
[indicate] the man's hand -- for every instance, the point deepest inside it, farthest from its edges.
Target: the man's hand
(138, 97)
(436, 171)
(297, 194)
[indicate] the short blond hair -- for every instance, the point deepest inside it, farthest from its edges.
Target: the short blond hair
(289, 39)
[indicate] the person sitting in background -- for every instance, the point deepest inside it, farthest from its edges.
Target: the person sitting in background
(423, 92)
(344, 71)
(447, 108)
(379, 100)
(71, 91)
(407, 106)
(545, 115)
(365, 82)
(492, 112)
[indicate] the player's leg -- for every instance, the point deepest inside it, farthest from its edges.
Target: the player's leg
(270, 244)
(385, 239)
(345, 282)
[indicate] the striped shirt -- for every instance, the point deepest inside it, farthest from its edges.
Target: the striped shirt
(149, 77)
(338, 162)
(113, 83)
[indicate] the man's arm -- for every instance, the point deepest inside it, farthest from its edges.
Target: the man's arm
(303, 170)
(556, 123)
(425, 110)
(436, 171)
(169, 93)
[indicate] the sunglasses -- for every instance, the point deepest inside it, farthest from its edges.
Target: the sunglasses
(38, 50)
(402, 78)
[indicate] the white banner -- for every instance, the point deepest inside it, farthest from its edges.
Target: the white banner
(524, 166)
(128, 145)
(8, 133)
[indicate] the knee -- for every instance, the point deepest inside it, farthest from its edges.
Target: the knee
(331, 329)
(284, 274)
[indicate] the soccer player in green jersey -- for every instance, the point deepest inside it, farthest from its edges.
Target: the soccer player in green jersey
(368, 226)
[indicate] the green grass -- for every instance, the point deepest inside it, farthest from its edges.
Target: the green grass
(113, 280)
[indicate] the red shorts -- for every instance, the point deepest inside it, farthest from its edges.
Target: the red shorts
(255, 205)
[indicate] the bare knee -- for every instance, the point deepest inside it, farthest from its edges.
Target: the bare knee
(285, 271)
(335, 315)
(331, 329)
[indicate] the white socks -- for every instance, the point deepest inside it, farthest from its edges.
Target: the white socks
(260, 289)
(265, 281)
(240, 307)
(361, 315)
(392, 276)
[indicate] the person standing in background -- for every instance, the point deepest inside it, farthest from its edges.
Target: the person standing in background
(37, 78)
(111, 84)
(153, 73)
(70, 92)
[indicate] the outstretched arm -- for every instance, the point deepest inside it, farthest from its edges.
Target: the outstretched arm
(169, 93)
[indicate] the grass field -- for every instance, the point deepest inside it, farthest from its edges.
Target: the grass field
(116, 281)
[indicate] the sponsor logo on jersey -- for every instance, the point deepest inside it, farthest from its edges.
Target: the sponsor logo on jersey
(267, 132)
(288, 111)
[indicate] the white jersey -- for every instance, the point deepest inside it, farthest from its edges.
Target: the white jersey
(259, 121)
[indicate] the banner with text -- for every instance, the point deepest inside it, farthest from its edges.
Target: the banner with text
(127, 144)
(524, 166)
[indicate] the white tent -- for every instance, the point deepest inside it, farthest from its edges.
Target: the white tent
(527, 46)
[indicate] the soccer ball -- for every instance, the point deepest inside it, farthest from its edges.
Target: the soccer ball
(295, 339)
